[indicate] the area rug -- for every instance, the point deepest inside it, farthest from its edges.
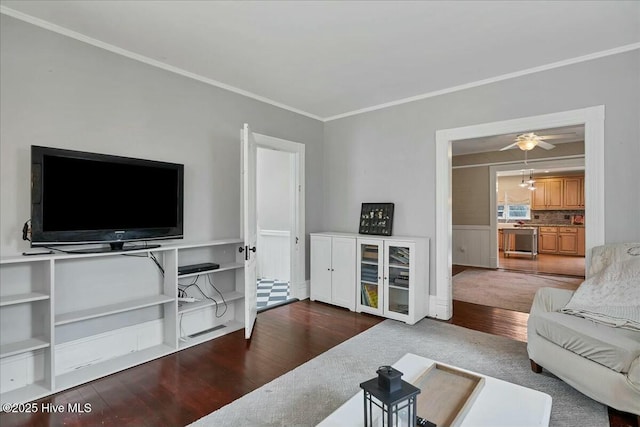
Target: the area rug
(505, 289)
(308, 394)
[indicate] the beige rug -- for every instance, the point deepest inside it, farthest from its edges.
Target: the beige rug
(306, 395)
(505, 289)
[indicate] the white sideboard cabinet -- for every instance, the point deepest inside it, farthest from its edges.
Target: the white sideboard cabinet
(333, 275)
(392, 277)
(385, 276)
(66, 319)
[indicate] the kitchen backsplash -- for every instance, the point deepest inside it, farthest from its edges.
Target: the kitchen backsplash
(553, 217)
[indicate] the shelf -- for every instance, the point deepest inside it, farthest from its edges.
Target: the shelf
(223, 267)
(19, 347)
(105, 310)
(402, 288)
(185, 307)
(107, 367)
(400, 266)
(25, 394)
(226, 328)
(369, 283)
(368, 262)
(22, 298)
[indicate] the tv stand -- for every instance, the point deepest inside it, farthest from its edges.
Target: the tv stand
(71, 318)
(113, 247)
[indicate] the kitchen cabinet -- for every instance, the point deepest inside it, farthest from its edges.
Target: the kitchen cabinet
(568, 240)
(548, 240)
(333, 269)
(573, 190)
(562, 240)
(548, 194)
(581, 241)
(563, 193)
(512, 240)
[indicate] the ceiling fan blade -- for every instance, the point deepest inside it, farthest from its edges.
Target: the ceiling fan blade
(561, 136)
(508, 147)
(546, 145)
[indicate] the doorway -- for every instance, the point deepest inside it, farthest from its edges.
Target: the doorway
(556, 243)
(441, 304)
(279, 221)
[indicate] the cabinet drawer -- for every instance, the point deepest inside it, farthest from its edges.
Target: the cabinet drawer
(568, 229)
(548, 229)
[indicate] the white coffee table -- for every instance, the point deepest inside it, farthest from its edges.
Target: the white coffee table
(499, 403)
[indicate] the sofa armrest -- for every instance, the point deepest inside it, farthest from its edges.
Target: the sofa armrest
(550, 299)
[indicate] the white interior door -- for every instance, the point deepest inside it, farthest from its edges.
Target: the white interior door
(250, 231)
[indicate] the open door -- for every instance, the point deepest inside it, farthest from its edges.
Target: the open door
(250, 232)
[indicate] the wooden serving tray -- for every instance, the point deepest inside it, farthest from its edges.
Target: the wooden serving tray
(446, 394)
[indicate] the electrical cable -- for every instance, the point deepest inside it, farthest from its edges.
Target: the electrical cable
(221, 296)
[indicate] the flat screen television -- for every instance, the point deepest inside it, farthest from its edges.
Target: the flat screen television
(87, 198)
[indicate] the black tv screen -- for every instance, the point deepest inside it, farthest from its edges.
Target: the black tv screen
(81, 197)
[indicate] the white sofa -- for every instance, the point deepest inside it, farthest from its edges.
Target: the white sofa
(600, 361)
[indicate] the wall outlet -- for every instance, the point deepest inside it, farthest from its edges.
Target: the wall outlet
(536, 217)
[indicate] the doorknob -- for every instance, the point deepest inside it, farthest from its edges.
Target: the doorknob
(253, 249)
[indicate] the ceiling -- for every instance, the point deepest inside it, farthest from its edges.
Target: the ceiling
(329, 59)
(557, 136)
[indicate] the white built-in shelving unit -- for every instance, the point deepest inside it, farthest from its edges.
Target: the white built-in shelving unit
(66, 319)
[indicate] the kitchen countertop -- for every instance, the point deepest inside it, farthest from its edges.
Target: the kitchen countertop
(532, 224)
(553, 225)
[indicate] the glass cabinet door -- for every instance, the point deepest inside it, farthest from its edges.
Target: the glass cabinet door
(370, 293)
(399, 278)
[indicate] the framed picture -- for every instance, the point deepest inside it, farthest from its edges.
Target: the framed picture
(376, 218)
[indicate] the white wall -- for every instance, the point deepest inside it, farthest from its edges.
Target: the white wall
(273, 208)
(389, 154)
(57, 91)
(272, 189)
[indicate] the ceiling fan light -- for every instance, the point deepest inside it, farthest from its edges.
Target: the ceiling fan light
(526, 144)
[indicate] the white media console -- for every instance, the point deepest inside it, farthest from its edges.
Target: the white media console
(66, 319)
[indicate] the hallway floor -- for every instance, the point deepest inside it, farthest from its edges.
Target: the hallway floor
(544, 263)
(272, 291)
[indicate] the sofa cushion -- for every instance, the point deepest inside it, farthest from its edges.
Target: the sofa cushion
(614, 348)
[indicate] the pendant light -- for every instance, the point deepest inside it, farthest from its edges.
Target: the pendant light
(522, 183)
(531, 181)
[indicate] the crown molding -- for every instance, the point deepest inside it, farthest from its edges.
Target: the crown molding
(149, 61)
(551, 66)
(158, 64)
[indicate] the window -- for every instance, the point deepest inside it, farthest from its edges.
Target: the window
(514, 212)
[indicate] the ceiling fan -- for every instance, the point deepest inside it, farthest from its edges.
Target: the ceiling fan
(528, 141)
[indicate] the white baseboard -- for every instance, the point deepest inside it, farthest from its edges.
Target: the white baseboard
(439, 308)
(302, 290)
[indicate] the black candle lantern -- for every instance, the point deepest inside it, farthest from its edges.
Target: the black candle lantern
(388, 400)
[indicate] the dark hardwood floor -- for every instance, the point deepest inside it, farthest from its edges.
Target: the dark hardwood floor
(180, 388)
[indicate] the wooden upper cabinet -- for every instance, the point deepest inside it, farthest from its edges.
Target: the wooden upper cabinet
(574, 193)
(548, 194)
(559, 193)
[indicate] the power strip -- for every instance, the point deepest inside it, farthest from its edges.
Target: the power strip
(187, 299)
